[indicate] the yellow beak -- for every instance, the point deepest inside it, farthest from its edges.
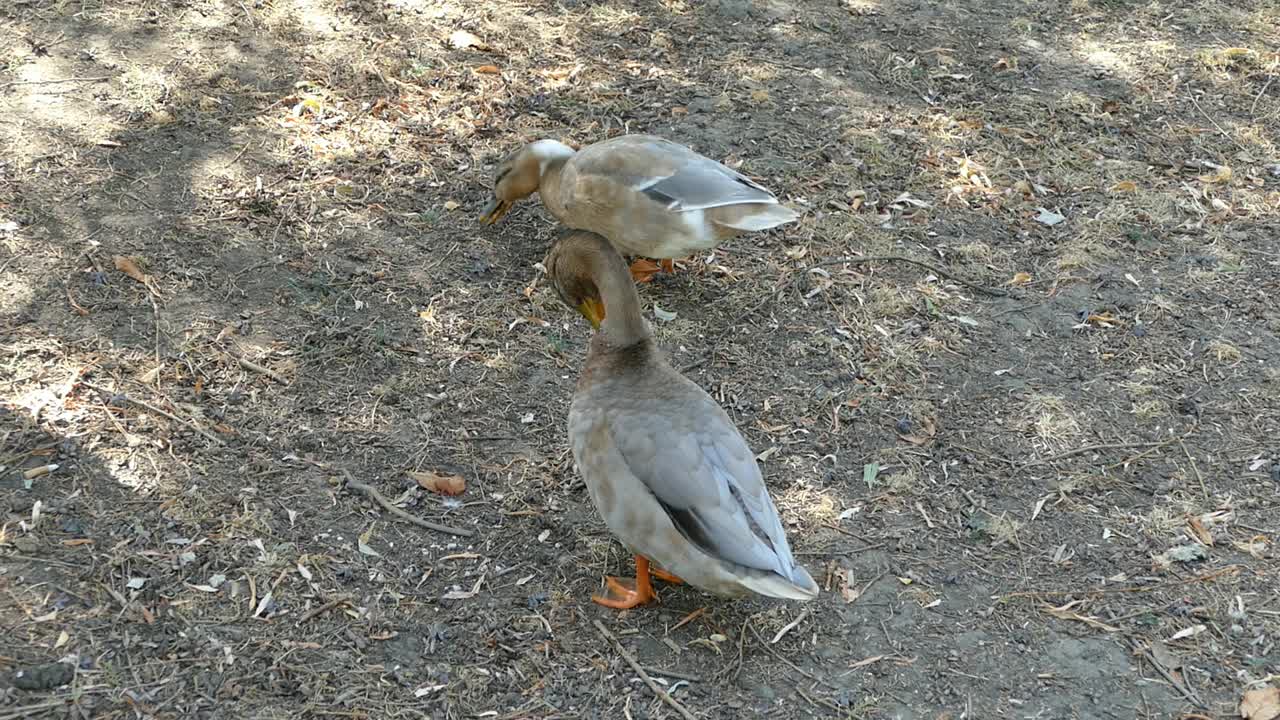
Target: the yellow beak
(593, 311)
(494, 211)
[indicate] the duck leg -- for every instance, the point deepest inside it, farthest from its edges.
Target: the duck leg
(625, 593)
(663, 575)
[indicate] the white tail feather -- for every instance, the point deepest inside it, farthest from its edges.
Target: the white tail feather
(800, 587)
(766, 217)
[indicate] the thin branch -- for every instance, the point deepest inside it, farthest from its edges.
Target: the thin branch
(653, 686)
(1103, 446)
(55, 82)
(852, 259)
(377, 497)
(1225, 134)
(152, 408)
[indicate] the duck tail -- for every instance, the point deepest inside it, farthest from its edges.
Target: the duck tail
(755, 217)
(800, 586)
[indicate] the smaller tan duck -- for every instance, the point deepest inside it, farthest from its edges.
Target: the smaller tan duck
(649, 196)
(670, 474)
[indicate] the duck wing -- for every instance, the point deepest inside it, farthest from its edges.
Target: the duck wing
(687, 452)
(667, 173)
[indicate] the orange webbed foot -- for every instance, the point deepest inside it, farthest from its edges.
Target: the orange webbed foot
(642, 270)
(622, 594)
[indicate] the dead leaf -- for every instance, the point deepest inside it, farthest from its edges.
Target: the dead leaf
(1021, 278)
(1185, 633)
(1200, 531)
(130, 268)
(1126, 186)
(1048, 217)
(846, 591)
(927, 432)
(451, 205)
(488, 70)
(442, 484)
(760, 97)
(1261, 704)
(461, 39)
(1220, 174)
(1255, 546)
(679, 110)
(1006, 64)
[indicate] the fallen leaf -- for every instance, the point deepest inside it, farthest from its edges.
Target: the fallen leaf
(1103, 319)
(461, 39)
(442, 484)
(759, 97)
(1255, 546)
(263, 604)
(869, 473)
(1200, 531)
(1188, 632)
(130, 268)
(1048, 217)
(451, 204)
(488, 70)
(1261, 704)
(136, 583)
(679, 110)
(1126, 186)
(663, 315)
(362, 543)
(1021, 278)
(63, 639)
(1220, 174)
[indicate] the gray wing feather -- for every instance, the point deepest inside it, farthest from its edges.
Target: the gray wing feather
(671, 174)
(703, 184)
(707, 479)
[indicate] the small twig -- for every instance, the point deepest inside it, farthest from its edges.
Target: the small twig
(1199, 478)
(867, 544)
(322, 609)
(790, 664)
(994, 292)
(24, 710)
(377, 497)
(158, 411)
(1103, 446)
(1178, 684)
(239, 155)
(653, 686)
(673, 674)
(1114, 591)
(255, 367)
(55, 82)
(789, 627)
(1254, 107)
(1225, 134)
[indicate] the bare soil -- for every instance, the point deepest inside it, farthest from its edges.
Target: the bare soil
(1060, 499)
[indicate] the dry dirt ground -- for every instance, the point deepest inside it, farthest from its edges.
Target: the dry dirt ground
(1038, 479)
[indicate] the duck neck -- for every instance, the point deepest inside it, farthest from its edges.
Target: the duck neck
(623, 324)
(549, 185)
